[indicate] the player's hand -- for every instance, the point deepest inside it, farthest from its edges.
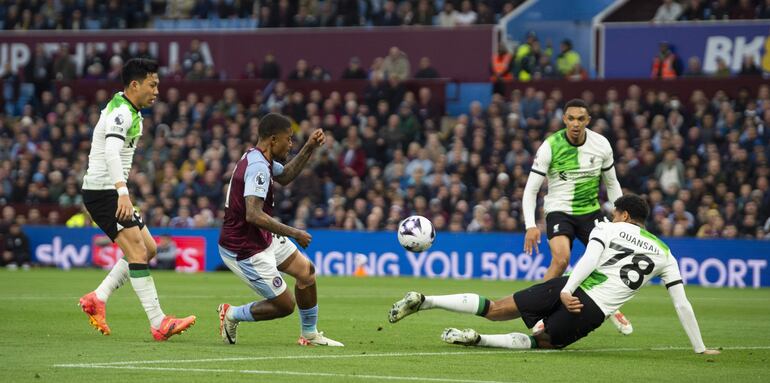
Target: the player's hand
(601, 221)
(711, 352)
(531, 240)
(571, 302)
(303, 238)
(317, 139)
(125, 209)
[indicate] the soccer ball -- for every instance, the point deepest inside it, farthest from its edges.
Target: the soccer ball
(416, 233)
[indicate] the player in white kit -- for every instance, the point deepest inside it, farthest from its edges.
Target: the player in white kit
(106, 198)
(620, 258)
(574, 160)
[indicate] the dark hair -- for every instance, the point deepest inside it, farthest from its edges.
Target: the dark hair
(272, 124)
(635, 206)
(137, 70)
(576, 103)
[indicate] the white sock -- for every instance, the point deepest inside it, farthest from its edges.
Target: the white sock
(145, 290)
(116, 278)
(459, 303)
(512, 340)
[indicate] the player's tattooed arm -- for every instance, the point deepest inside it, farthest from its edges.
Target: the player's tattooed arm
(295, 166)
(256, 216)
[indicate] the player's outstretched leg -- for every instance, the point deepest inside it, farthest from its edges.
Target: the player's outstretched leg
(470, 337)
(407, 305)
(93, 303)
(461, 303)
(466, 337)
(138, 246)
(95, 310)
(621, 323)
(305, 291)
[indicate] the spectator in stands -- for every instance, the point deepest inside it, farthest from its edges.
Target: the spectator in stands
(743, 11)
(282, 15)
(485, 14)
(143, 51)
(387, 17)
(64, 68)
(667, 12)
(396, 64)
(354, 70)
(476, 159)
(694, 68)
(352, 160)
(426, 71)
(525, 56)
(270, 69)
(666, 64)
(466, 16)
(39, 70)
(722, 69)
(183, 219)
(694, 10)
(7, 219)
(567, 59)
(267, 18)
(198, 72)
(319, 74)
(720, 10)
(424, 13)
(500, 69)
(250, 72)
(192, 56)
(16, 252)
(348, 12)
(448, 15)
(749, 66)
(670, 172)
(166, 253)
(301, 71)
(304, 19)
(763, 12)
(406, 13)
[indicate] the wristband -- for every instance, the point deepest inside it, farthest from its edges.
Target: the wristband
(122, 191)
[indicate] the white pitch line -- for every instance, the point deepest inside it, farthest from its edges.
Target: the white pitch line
(390, 355)
(289, 357)
(298, 373)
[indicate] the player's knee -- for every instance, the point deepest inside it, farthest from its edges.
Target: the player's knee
(311, 270)
(285, 306)
(495, 312)
(560, 263)
(306, 277)
(137, 252)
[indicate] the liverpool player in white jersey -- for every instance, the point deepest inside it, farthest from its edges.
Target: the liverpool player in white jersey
(573, 160)
(105, 195)
(621, 257)
(255, 246)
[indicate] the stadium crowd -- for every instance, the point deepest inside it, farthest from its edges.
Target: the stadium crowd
(673, 10)
(702, 162)
(114, 14)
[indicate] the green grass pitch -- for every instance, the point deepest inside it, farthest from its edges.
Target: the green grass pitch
(45, 338)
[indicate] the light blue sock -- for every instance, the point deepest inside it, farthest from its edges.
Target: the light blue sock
(308, 319)
(242, 313)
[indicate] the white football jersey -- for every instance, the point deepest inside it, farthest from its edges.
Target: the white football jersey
(631, 258)
(120, 119)
(573, 172)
